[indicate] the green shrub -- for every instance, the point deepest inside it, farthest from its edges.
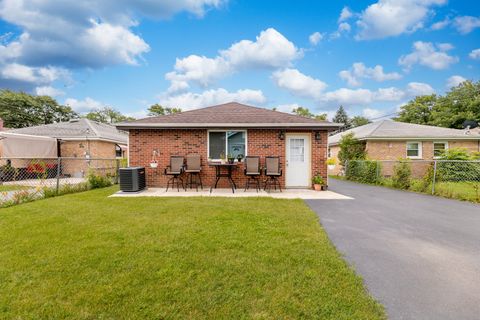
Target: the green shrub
(65, 189)
(350, 149)
(98, 181)
(362, 171)
(402, 173)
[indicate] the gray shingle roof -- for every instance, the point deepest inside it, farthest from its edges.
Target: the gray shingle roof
(231, 114)
(77, 129)
(388, 129)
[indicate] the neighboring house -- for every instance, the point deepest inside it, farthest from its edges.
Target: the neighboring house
(236, 129)
(75, 138)
(391, 140)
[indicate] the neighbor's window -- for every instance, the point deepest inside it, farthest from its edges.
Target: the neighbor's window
(118, 151)
(439, 148)
(414, 150)
(226, 143)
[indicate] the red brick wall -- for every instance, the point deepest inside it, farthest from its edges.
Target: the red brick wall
(260, 142)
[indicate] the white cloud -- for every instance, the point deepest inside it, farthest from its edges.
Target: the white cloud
(466, 24)
(454, 81)
(299, 84)
(85, 105)
(387, 18)
(475, 54)
(439, 25)
(288, 108)
(429, 55)
(270, 50)
(343, 27)
(370, 113)
(191, 100)
(35, 75)
(419, 89)
(48, 91)
(83, 33)
(345, 14)
(359, 71)
(315, 38)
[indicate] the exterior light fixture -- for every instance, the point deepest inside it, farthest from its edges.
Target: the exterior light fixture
(318, 136)
(281, 135)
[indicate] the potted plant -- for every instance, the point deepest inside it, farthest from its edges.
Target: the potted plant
(318, 182)
(154, 162)
(231, 158)
(331, 162)
(240, 157)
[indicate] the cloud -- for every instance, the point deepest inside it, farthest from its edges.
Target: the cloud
(370, 113)
(454, 81)
(35, 75)
(360, 71)
(270, 50)
(466, 24)
(287, 107)
(82, 34)
(86, 105)
(429, 55)
(299, 84)
(191, 100)
(343, 27)
(345, 14)
(475, 54)
(439, 25)
(315, 38)
(48, 91)
(388, 18)
(419, 89)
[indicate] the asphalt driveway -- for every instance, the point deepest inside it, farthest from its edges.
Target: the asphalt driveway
(419, 255)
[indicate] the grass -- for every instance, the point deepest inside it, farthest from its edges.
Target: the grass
(466, 191)
(86, 256)
(4, 188)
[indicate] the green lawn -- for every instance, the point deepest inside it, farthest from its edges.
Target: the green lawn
(85, 256)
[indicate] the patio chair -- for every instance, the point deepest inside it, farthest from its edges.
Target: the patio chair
(175, 170)
(193, 169)
(252, 171)
(273, 171)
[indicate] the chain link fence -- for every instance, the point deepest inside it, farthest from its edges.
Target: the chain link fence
(450, 178)
(26, 179)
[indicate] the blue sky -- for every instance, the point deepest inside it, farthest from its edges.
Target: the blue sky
(370, 56)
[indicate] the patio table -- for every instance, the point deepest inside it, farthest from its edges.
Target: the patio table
(227, 173)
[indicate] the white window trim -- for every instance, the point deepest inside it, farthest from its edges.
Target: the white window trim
(420, 151)
(226, 141)
(433, 147)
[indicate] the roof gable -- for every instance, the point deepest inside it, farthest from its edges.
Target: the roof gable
(225, 114)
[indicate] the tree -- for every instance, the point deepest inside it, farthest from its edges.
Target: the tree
(358, 121)
(107, 115)
(305, 112)
(350, 149)
(461, 103)
(158, 110)
(341, 116)
(20, 109)
(418, 110)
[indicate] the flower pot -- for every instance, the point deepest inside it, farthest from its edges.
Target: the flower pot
(331, 166)
(317, 187)
(153, 164)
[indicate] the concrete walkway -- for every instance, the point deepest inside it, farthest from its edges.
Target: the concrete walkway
(286, 194)
(419, 255)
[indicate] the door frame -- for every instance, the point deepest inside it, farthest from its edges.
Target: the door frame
(308, 136)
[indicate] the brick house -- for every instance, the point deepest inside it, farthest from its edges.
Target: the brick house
(236, 129)
(391, 140)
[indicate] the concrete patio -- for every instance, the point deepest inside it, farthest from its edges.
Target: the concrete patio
(239, 193)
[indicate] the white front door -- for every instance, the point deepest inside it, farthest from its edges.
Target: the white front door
(298, 160)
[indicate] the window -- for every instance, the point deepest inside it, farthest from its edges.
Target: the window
(439, 148)
(414, 150)
(118, 151)
(226, 143)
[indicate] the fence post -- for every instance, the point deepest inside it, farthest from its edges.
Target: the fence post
(59, 163)
(434, 176)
